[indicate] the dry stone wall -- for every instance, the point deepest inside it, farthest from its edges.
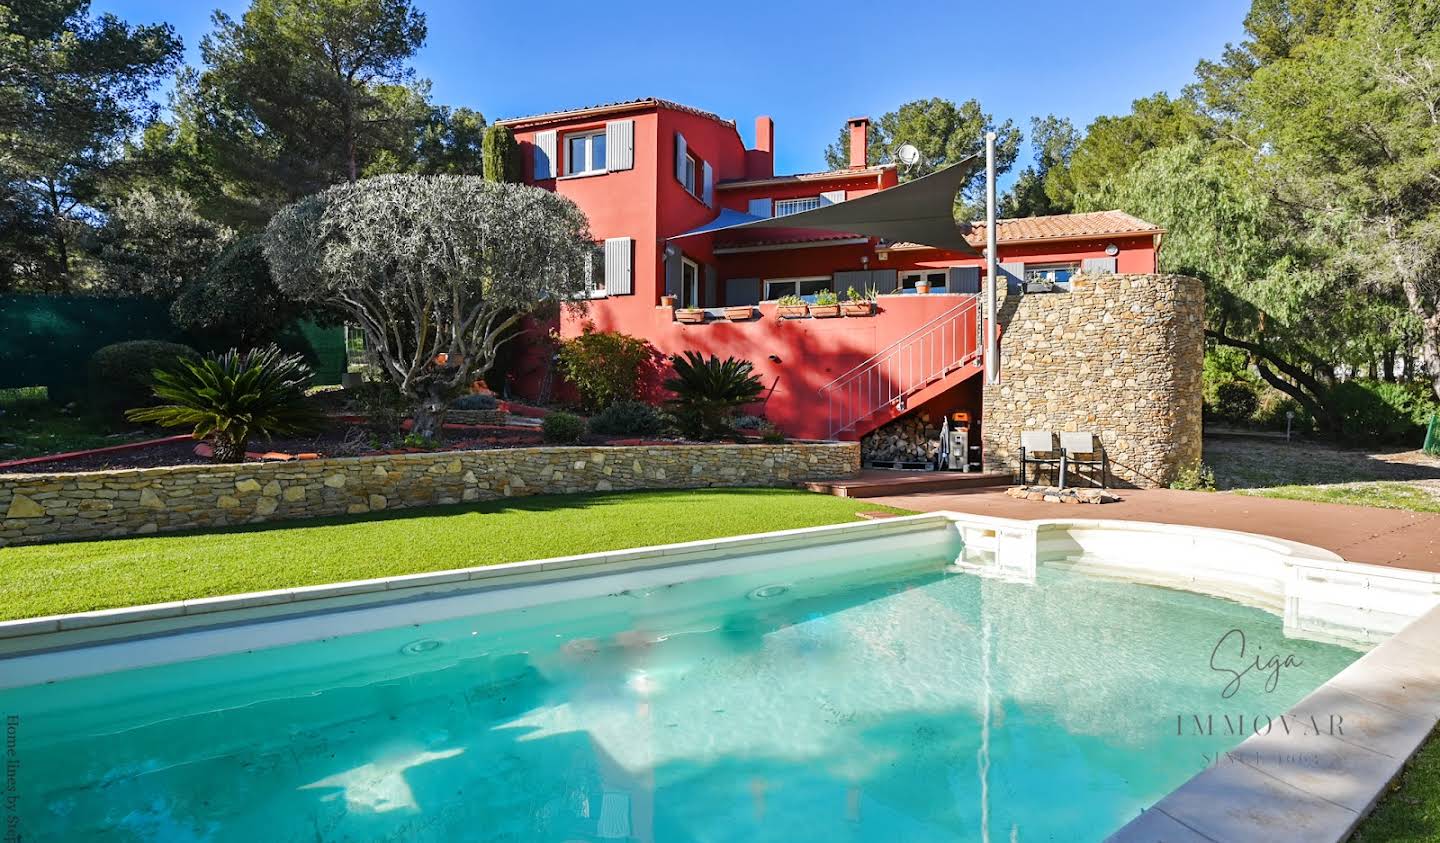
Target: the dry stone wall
(1119, 355)
(52, 507)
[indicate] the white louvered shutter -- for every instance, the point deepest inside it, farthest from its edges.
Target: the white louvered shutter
(831, 197)
(618, 277)
(1098, 266)
(544, 155)
(681, 151)
(708, 194)
(620, 145)
(761, 208)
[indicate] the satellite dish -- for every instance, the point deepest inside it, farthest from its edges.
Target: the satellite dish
(908, 155)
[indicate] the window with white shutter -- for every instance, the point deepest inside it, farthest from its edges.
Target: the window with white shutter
(707, 194)
(760, 208)
(620, 145)
(682, 163)
(832, 197)
(544, 155)
(619, 272)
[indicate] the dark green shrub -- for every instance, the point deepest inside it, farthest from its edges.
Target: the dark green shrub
(1236, 401)
(1380, 411)
(234, 302)
(382, 405)
(233, 396)
(628, 418)
(709, 391)
(562, 428)
(121, 374)
(1273, 407)
(500, 155)
(475, 401)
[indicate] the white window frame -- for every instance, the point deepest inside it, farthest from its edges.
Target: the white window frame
(592, 167)
(595, 270)
(796, 282)
(914, 275)
(794, 205)
(1046, 272)
(689, 291)
(692, 175)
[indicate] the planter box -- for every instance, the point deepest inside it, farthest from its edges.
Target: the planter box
(858, 308)
(792, 311)
(824, 311)
(739, 314)
(690, 316)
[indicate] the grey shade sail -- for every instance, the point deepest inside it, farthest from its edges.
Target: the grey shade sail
(920, 211)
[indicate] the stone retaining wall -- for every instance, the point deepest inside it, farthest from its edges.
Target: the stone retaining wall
(1119, 355)
(52, 507)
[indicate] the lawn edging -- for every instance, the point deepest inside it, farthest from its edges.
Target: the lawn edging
(57, 507)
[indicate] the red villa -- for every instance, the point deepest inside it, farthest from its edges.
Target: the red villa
(664, 186)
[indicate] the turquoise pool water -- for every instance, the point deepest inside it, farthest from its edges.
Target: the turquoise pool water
(893, 701)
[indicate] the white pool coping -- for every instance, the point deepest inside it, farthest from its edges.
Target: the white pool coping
(1390, 697)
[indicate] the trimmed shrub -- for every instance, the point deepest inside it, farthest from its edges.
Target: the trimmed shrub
(633, 418)
(500, 155)
(604, 366)
(475, 401)
(122, 375)
(1236, 401)
(561, 428)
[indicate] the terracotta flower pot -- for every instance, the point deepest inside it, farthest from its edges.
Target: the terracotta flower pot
(690, 316)
(858, 308)
(739, 314)
(792, 311)
(667, 301)
(824, 311)
(922, 288)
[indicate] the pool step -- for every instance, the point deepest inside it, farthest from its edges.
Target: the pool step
(879, 482)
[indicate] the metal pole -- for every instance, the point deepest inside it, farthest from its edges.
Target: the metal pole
(992, 346)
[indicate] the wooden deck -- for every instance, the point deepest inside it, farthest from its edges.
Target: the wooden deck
(878, 482)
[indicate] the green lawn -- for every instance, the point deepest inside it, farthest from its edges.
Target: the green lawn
(1411, 812)
(1384, 494)
(81, 576)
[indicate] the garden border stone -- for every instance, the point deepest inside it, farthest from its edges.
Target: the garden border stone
(36, 508)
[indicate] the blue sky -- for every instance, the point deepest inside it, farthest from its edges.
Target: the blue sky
(809, 65)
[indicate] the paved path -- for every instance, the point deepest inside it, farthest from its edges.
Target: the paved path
(1356, 533)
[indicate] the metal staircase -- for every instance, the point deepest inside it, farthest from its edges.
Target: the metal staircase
(933, 352)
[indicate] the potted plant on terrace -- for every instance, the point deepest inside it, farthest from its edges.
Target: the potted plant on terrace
(690, 315)
(826, 306)
(791, 307)
(858, 303)
(668, 300)
(922, 285)
(739, 312)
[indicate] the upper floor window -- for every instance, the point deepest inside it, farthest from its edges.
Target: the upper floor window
(784, 207)
(585, 153)
(692, 179)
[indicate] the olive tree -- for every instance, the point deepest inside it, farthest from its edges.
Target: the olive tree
(436, 270)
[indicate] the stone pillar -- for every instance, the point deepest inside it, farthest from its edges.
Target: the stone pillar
(1119, 355)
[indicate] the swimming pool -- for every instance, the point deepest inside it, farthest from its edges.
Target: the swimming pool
(866, 689)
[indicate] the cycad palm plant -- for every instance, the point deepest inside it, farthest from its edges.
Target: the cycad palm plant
(233, 396)
(708, 391)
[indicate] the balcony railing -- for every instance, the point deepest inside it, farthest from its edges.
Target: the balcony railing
(911, 363)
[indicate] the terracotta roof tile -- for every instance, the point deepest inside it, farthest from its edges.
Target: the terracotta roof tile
(616, 106)
(1055, 227)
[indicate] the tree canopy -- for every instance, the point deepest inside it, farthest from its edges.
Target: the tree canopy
(435, 269)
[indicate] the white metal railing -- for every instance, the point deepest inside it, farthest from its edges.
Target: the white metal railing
(786, 207)
(911, 363)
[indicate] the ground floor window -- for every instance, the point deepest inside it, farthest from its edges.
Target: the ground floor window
(936, 278)
(805, 288)
(689, 283)
(595, 270)
(1053, 273)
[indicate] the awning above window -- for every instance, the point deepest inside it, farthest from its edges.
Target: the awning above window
(919, 211)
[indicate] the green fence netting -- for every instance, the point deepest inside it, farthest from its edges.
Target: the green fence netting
(47, 340)
(1432, 436)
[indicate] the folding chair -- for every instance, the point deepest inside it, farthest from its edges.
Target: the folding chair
(1084, 449)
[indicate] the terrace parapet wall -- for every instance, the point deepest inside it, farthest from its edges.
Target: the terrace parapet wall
(1119, 355)
(103, 504)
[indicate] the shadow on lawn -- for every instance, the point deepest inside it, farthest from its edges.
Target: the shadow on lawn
(535, 503)
(1254, 464)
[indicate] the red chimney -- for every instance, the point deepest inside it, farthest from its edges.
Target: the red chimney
(859, 129)
(760, 161)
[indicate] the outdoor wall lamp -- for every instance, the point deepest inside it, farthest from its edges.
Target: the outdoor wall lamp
(774, 358)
